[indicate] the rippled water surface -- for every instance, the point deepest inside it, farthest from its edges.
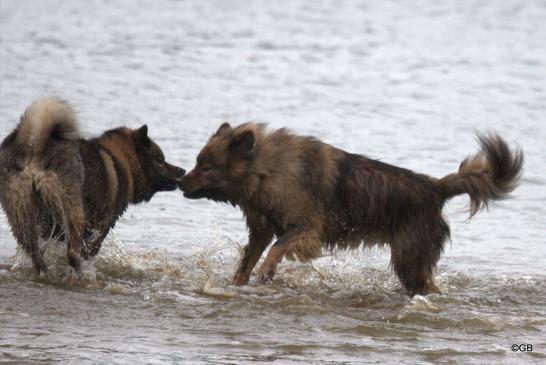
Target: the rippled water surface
(405, 82)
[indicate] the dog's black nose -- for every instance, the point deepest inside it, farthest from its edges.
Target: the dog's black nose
(181, 172)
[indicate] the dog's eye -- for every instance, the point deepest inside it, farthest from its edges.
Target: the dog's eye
(206, 168)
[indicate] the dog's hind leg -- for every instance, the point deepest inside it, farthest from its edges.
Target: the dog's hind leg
(22, 213)
(304, 243)
(74, 223)
(259, 239)
(64, 201)
(414, 260)
(27, 236)
(414, 270)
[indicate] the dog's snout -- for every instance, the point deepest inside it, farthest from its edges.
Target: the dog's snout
(181, 172)
(180, 180)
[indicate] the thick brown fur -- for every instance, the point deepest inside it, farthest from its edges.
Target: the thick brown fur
(310, 195)
(54, 184)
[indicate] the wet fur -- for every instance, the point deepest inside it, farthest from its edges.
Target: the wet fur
(310, 195)
(54, 184)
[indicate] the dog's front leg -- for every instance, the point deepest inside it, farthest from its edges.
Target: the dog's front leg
(286, 243)
(259, 239)
(93, 240)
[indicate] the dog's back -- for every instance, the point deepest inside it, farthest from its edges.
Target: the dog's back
(41, 173)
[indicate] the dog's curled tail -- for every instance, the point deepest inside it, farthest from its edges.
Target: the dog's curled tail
(46, 118)
(491, 174)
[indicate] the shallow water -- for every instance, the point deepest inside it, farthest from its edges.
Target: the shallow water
(407, 83)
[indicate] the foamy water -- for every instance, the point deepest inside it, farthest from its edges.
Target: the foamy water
(407, 83)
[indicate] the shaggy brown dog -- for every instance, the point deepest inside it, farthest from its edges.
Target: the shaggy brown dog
(310, 195)
(53, 184)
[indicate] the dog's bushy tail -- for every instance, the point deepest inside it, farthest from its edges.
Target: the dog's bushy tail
(46, 118)
(491, 174)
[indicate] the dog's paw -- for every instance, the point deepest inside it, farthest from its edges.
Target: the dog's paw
(241, 279)
(265, 275)
(41, 269)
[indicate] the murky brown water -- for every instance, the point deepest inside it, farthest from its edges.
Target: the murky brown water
(408, 83)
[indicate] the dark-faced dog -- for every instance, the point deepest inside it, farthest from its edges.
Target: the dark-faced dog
(311, 195)
(54, 184)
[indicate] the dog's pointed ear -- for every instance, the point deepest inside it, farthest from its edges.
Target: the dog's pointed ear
(244, 141)
(141, 135)
(225, 127)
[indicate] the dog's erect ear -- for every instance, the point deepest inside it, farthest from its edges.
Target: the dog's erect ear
(223, 129)
(141, 136)
(244, 141)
